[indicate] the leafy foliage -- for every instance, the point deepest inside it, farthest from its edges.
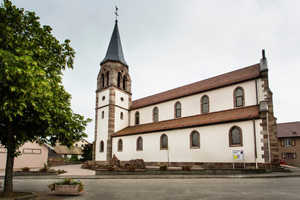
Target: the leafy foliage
(34, 104)
(32, 96)
(87, 152)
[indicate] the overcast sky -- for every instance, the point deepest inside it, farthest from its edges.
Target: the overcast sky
(168, 44)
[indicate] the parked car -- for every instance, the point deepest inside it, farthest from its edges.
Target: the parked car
(282, 162)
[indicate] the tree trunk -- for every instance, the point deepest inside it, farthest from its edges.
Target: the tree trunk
(8, 182)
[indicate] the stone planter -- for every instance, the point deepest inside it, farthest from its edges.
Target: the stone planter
(67, 190)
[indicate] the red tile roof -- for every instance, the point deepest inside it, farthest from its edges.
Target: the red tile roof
(238, 114)
(233, 77)
(290, 129)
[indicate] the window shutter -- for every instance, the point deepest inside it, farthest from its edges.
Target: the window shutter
(293, 142)
(282, 142)
(283, 155)
(295, 155)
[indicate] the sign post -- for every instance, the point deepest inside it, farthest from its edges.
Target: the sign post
(238, 155)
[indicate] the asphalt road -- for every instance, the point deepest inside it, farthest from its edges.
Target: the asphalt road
(213, 188)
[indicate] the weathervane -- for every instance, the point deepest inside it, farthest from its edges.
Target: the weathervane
(116, 13)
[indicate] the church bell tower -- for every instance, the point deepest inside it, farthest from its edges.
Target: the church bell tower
(113, 98)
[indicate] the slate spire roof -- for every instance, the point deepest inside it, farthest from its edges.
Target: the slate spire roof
(114, 51)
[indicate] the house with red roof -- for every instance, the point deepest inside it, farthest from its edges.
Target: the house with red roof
(289, 142)
(210, 123)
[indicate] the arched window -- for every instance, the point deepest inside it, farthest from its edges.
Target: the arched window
(139, 144)
(194, 140)
(163, 142)
(204, 104)
(239, 97)
(155, 114)
(119, 79)
(177, 109)
(102, 80)
(124, 82)
(235, 137)
(121, 115)
(120, 145)
(101, 149)
(107, 78)
(137, 118)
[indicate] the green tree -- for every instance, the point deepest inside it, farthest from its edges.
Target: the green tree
(34, 105)
(87, 152)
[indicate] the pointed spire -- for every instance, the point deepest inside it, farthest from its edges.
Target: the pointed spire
(114, 51)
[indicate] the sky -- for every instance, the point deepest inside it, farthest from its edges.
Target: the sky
(168, 44)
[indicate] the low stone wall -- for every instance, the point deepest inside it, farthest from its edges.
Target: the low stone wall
(34, 173)
(52, 164)
(181, 172)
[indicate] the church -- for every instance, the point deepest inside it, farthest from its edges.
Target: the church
(214, 123)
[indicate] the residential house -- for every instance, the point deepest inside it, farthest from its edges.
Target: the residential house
(289, 142)
(33, 155)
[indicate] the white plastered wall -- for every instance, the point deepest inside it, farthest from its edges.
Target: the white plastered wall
(102, 131)
(261, 94)
(103, 98)
(219, 99)
(214, 145)
(102, 124)
(122, 105)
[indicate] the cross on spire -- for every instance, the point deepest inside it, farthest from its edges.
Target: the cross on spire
(116, 13)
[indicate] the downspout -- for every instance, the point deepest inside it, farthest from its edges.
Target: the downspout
(255, 145)
(256, 90)
(268, 136)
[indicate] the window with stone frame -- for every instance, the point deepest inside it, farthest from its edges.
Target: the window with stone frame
(177, 109)
(194, 140)
(101, 149)
(32, 151)
(121, 115)
(235, 137)
(204, 104)
(120, 145)
(107, 78)
(119, 80)
(124, 82)
(137, 118)
(239, 97)
(102, 80)
(155, 114)
(163, 142)
(289, 155)
(102, 115)
(139, 144)
(286, 142)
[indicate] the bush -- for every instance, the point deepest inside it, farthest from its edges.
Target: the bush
(186, 167)
(61, 171)
(130, 168)
(163, 167)
(110, 168)
(25, 169)
(74, 158)
(45, 168)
